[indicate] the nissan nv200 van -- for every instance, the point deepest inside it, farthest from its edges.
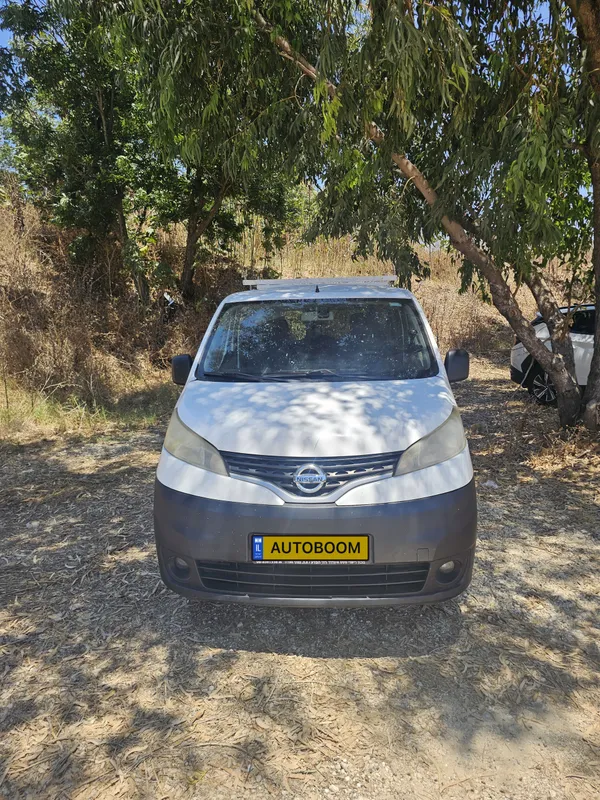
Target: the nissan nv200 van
(316, 455)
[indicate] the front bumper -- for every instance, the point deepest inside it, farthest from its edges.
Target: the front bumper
(428, 531)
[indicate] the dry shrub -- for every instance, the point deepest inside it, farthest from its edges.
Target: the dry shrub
(461, 320)
(55, 338)
(184, 334)
(63, 334)
(215, 279)
(325, 258)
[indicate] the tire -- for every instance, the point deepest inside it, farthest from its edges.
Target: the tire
(540, 386)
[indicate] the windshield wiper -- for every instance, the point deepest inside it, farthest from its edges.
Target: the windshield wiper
(370, 376)
(329, 373)
(232, 376)
(301, 373)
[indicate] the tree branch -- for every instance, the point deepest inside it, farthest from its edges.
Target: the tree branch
(500, 290)
(287, 51)
(214, 209)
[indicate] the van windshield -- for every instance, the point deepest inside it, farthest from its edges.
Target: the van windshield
(329, 339)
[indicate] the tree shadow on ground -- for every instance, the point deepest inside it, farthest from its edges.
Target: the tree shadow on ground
(111, 683)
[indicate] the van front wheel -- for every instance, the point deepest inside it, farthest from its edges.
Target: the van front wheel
(541, 387)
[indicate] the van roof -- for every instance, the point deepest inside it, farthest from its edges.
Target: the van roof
(305, 291)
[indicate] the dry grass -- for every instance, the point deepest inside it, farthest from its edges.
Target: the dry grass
(70, 354)
(326, 259)
(70, 363)
(26, 414)
(51, 338)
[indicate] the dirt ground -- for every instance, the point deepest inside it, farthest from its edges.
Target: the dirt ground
(111, 686)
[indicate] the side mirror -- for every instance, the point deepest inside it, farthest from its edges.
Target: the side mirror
(457, 365)
(180, 368)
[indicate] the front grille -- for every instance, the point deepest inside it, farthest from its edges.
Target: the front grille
(339, 470)
(312, 580)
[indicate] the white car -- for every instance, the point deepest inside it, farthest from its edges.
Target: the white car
(528, 373)
(316, 455)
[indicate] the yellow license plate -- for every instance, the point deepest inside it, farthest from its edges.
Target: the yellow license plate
(310, 548)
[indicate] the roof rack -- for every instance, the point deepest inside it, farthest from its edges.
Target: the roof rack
(295, 283)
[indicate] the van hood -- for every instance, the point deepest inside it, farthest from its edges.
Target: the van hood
(314, 419)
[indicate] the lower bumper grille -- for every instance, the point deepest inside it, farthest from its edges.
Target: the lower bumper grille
(312, 580)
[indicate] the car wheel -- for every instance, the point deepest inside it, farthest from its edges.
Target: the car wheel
(541, 387)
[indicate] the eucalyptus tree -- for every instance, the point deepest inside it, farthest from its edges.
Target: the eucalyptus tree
(587, 19)
(502, 144)
(488, 114)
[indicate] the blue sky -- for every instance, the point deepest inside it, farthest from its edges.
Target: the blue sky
(4, 37)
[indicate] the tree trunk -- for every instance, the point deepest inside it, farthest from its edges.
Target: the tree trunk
(140, 281)
(568, 396)
(587, 17)
(186, 283)
(569, 404)
(196, 228)
(17, 204)
(142, 288)
(591, 397)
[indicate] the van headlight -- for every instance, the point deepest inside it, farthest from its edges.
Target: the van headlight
(441, 444)
(186, 445)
